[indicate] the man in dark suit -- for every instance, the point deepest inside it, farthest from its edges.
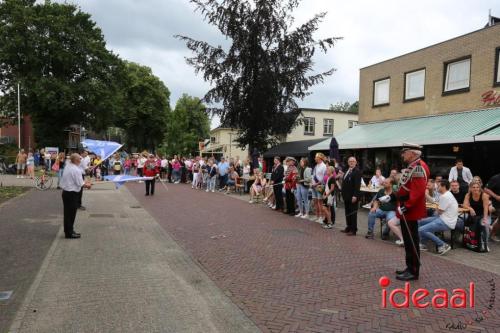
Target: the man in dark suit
(351, 184)
(277, 182)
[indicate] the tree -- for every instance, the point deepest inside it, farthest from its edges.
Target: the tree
(144, 109)
(188, 125)
(345, 107)
(264, 71)
(59, 57)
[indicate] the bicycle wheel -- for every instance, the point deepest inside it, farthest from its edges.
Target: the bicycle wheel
(43, 182)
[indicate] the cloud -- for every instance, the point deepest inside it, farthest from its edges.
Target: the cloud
(373, 31)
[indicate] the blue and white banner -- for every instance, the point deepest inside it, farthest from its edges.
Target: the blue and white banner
(119, 180)
(102, 148)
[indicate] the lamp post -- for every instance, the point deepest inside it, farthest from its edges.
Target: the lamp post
(18, 116)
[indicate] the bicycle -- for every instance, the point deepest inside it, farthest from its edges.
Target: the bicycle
(44, 181)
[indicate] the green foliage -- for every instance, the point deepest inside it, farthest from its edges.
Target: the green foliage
(144, 109)
(265, 70)
(188, 124)
(345, 107)
(59, 57)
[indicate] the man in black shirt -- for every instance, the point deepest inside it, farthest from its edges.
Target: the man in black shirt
(457, 192)
(493, 190)
(277, 182)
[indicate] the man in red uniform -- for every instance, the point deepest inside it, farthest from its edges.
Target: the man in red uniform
(411, 196)
(151, 170)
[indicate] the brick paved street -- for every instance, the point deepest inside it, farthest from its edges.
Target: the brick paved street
(288, 275)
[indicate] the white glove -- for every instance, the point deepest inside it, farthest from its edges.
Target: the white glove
(384, 199)
(402, 210)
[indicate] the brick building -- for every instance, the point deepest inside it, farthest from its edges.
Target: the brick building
(9, 134)
(445, 97)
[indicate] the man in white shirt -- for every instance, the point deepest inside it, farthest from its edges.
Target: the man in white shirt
(446, 219)
(72, 183)
(84, 167)
(461, 174)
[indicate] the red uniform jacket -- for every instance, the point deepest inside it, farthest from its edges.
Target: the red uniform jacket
(411, 193)
(150, 169)
(291, 178)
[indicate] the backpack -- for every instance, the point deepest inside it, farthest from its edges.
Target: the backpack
(475, 234)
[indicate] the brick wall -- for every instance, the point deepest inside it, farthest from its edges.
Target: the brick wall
(480, 45)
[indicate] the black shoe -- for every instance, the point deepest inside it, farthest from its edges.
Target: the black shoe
(82, 208)
(147, 194)
(152, 194)
(369, 235)
(406, 276)
(73, 236)
(345, 231)
(76, 233)
(385, 237)
(401, 271)
(350, 233)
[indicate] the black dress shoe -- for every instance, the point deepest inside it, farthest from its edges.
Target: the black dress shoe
(401, 271)
(147, 194)
(406, 276)
(345, 231)
(73, 236)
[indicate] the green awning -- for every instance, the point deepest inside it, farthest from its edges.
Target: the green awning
(431, 130)
(491, 135)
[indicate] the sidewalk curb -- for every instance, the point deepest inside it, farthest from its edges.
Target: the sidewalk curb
(23, 309)
(15, 198)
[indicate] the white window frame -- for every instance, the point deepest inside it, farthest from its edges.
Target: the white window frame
(309, 122)
(352, 123)
(327, 125)
(465, 87)
(378, 84)
(497, 67)
(408, 81)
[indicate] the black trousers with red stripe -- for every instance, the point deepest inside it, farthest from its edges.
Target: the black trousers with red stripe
(412, 245)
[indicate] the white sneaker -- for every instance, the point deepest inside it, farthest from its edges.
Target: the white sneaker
(443, 249)
(273, 207)
(399, 242)
(17, 177)
(298, 215)
(213, 191)
(207, 190)
(250, 202)
(305, 216)
(319, 220)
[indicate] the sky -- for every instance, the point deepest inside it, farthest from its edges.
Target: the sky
(142, 31)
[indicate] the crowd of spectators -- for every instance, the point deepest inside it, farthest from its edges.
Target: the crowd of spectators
(304, 191)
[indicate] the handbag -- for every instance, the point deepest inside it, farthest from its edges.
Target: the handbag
(330, 200)
(475, 234)
(55, 167)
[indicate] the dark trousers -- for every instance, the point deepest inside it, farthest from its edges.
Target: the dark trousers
(351, 215)
(332, 212)
(150, 184)
(412, 249)
(139, 172)
(290, 202)
(278, 196)
(223, 181)
(70, 204)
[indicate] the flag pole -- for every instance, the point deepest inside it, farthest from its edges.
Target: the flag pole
(18, 117)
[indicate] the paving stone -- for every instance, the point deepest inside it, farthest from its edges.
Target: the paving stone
(282, 278)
